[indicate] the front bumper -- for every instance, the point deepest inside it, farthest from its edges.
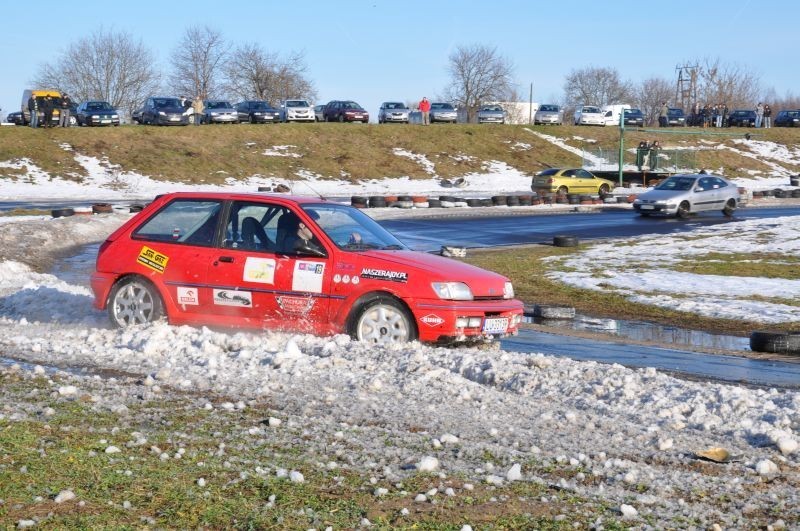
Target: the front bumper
(591, 121)
(102, 120)
(443, 117)
(171, 120)
(308, 117)
(261, 119)
(654, 208)
(403, 118)
(442, 321)
(222, 119)
(547, 119)
(490, 119)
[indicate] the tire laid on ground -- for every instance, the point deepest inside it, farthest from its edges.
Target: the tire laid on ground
(102, 208)
(486, 202)
(405, 198)
(525, 200)
(135, 208)
(377, 201)
(546, 311)
(796, 193)
(390, 199)
(382, 320)
(779, 343)
(448, 198)
(512, 200)
(768, 193)
(499, 200)
(780, 194)
(563, 240)
(134, 301)
(419, 198)
(62, 212)
(264, 188)
(573, 199)
(434, 203)
(358, 201)
(474, 202)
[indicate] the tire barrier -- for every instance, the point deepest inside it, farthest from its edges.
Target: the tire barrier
(377, 201)
(474, 202)
(499, 200)
(135, 208)
(62, 212)
(780, 194)
(434, 203)
(358, 201)
(565, 241)
(546, 311)
(102, 208)
(512, 200)
(778, 343)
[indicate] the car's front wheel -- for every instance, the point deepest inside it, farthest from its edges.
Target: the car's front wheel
(562, 190)
(604, 189)
(134, 301)
(683, 210)
(730, 208)
(382, 321)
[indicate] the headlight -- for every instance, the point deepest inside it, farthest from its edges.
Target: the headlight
(508, 291)
(96, 116)
(214, 114)
(115, 116)
(162, 113)
(453, 291)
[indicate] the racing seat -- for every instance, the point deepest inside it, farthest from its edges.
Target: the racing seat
(287, 230)
(254, 237)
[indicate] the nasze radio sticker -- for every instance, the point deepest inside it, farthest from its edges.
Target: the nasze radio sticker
(187, 296)
(383, 274)
(259, 270)
(229, 297)
(152, 259)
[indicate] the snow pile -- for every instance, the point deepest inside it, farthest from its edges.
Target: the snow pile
(419, 158)
(281, 151)
(640, 270)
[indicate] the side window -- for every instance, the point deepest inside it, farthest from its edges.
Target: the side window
(253, 226)
(183, 221)
(704, 184)
(583, 174)
(718, 183)
(569, 173)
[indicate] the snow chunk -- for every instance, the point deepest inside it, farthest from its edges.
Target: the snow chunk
(113, 450)
(765, 467)
(628, 512)
(67, 390)
(787, 445)
(428, 464)
(514, 473)
(296, 477)
(64, 496)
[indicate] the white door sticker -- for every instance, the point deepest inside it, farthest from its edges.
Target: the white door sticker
(187, 296)
(230, 297)
(260, 270)
(308, 276)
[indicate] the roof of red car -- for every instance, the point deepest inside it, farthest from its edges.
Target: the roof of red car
(300, 199)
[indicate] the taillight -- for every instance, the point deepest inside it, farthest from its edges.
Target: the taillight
(550, 180)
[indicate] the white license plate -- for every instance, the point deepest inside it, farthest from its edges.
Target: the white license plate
(174, 119)
(105, 121)
(647, 207)
(496, 325)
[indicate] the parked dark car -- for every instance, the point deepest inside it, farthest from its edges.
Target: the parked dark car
(96, 113)
(742, 118)
(783, 119)
(344, 111)
(675, 117)
(634, 117)
(164, 110)
(15, 118)
(257, 112)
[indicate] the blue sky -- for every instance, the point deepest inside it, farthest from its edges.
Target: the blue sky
(373, 50)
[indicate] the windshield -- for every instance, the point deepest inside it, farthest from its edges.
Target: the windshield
(261, 106)
(442, 106)
(99, 106)
(677, 183)
(351, 229)
(162, 103)
(297, 103)
(394, 105)
(352, 105)
(594, 110)
(549, 108)
(496, 108)
(218, 105)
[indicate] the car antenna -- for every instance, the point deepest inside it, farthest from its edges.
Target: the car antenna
(313, 190)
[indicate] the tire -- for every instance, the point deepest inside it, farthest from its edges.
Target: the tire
(499, 200)
(382, 321)
(341, 118)
(683, 210)
(778, 343)
(730, 208)
(102, 208)
(546, 311)
(473, 202)
(512, 200)
(603, 190)
(358, 201)
(565, 241)
(434, 203)
(377, 201)
(62, 212)
(134, 301)
(135, 208)
(562, 190)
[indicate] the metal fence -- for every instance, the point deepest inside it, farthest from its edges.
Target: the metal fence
(667, 160)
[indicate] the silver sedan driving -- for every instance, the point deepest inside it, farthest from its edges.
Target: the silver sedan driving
(681, 195)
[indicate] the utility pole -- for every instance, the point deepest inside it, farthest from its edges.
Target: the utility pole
(530, 105)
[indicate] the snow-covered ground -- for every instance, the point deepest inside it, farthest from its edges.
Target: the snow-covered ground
(610, 433)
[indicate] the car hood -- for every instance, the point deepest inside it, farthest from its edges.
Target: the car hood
(425, 267)
(222, 109)
(663, 195)
(171, 110)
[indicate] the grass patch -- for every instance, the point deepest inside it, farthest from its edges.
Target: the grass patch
(527, 270)
(24, 212)
(766, 265)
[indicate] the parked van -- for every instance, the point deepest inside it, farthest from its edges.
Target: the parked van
(613, 112)
(40, 94)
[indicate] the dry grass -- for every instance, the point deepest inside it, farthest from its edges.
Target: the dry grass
(211, 154)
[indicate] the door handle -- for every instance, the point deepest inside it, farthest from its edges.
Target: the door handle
(225, 259)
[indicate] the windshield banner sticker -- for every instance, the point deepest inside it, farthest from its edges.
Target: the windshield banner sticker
(260, 270)
(187, 296)
(383, 274)
(308, 276)
(228, 297)
(152, 259)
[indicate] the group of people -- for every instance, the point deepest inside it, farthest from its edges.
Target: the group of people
(46, 105)
(717, 115)
(647, 155)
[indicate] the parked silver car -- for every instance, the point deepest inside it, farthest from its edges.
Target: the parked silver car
(319, 115)
(491, 114)
(218, 112)
(681, 195)
(549, 114)
(393, 111)
(443, 112)
(590, 115)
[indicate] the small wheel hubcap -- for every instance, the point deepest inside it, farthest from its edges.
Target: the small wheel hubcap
(383, 324)
(133, 304)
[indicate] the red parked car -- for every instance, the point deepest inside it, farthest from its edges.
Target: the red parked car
(294, 264)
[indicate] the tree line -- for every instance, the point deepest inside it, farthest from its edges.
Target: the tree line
(115, 67)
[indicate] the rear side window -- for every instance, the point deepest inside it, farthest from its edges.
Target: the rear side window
(183, 221)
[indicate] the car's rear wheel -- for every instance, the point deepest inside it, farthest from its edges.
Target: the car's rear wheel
(683, 210)
(134, 301)
(562, 190)
(341, 118)
(382, 321)
(730, 208)
(604, 189)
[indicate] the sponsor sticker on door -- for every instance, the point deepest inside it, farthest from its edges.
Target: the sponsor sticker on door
(152, 259)
(259, 270)
(230, 297)
(295, 304)
(187, 296)
(308, 276)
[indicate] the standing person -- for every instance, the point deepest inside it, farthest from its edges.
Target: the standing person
(33, 107)
(724, 122)
(63, 119)
(767, 116)
(47, 107)
(654, 149)
(425, 109)
(720, 115)
(197, 105)
(663, 116)
(641, 153)
(715, 115)
(759, 114)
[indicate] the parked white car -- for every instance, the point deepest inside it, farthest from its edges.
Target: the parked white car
(590, 115)
(549, 114)
(296, 111)
(612, 112)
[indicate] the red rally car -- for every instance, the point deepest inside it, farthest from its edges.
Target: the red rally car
(294, 264)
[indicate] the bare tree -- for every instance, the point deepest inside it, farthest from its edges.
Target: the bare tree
(197, 62)
(651, 94)
(596, 86)
(104, 66)
(727, 83)
(478, 74)
(254, 73)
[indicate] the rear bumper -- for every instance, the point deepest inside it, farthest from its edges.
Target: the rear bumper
(437, 320)
(101, 287)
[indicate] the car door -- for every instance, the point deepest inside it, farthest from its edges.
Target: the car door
(706, 195)
(585, 182)
(256, 279)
